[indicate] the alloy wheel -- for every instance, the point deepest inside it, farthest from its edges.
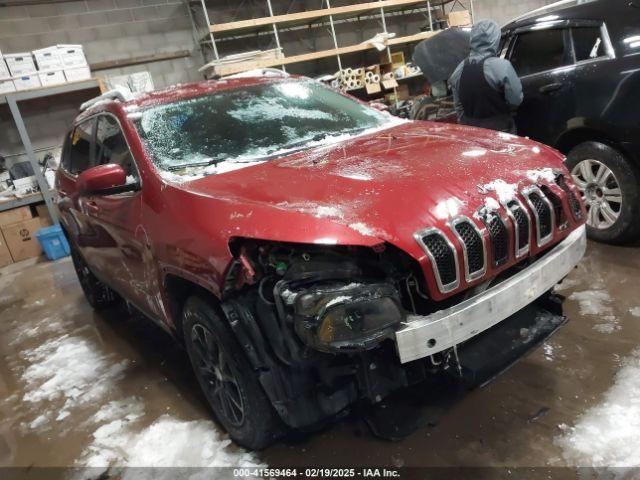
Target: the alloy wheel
(600, 191)
(217, 375)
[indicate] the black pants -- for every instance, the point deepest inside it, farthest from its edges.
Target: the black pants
(502, 123)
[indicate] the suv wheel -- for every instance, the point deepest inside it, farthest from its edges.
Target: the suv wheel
(610, 188)
(229, 383)
(99, 295)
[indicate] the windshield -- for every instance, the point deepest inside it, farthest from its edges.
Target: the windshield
(249, 125)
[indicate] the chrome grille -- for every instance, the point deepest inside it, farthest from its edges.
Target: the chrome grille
(543, 213)
(443, 257)
(472, 246)
(499, 239)
(522, 225)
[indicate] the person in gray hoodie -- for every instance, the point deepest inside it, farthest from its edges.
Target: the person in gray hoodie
(485, 87)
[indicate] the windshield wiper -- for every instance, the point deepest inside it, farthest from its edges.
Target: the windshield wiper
(206, 163)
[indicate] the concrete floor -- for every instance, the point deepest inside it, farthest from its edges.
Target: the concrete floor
(80, 388)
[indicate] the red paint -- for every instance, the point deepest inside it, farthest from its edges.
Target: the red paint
(101, 177)
(389, 184)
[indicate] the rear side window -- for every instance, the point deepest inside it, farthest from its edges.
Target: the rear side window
(539, 51)
(112, 147)
(588, 43)
(79, 148)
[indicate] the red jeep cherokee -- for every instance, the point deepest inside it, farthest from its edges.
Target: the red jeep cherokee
(312, 252)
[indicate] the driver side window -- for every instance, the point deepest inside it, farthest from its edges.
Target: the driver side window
(112, 147)
(540, 51)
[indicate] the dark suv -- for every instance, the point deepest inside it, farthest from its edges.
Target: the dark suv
(580, 67)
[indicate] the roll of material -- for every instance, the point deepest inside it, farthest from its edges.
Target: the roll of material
(352, 83)
(369, 74)
(348, 71)
(388, 76)
(358, 72)
(375, 79)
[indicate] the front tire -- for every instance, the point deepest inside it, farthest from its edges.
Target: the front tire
(227, 380)
(610, 187)
(98, 294)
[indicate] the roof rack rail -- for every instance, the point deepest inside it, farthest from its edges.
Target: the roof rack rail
(119, 94)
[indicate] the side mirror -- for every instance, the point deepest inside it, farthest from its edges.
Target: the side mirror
(105, 179)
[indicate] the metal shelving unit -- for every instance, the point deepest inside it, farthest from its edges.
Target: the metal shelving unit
(210, 34)
(12, 100)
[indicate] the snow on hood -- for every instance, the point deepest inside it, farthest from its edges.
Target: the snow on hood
(485, 39)
(386, 186)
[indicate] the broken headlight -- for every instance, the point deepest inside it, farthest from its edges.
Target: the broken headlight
(355, 316)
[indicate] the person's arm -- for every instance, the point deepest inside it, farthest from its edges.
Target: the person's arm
(454, 82)
(512, 86)
(501, 74)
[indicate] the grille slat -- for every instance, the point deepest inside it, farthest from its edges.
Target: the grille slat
(499, 239)
(544, 215)
(443, 259)
(522, 224)
(473, 246)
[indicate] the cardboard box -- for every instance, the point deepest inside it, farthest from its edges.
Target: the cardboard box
(397, 59)
(460, 18)
(49, 79)
(5, 255)
(4, 70)
(77, 74)
(21, 239)
(72, 56)
(27, 82)
(20, 64)
(20, 214)
(48, 59)
(372, 88)
(43, 213)
(7, 86)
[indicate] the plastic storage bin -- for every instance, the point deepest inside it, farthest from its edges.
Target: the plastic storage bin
(53, 242)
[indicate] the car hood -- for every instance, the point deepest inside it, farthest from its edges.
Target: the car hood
(380, 187)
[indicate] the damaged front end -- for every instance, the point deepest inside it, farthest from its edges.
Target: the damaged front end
(325, 327)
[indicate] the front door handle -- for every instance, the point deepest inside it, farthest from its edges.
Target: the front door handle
(552, 87)
(92, 207)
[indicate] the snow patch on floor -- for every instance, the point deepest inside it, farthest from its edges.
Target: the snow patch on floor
(168, 442)
(609, 325)
(608, 435)
(70, 371)
(635, 311)
(593, 302)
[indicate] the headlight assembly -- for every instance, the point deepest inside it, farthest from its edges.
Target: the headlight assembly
(356, 316)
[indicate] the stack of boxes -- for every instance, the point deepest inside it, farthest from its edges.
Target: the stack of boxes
(43, 68)
(18, 238)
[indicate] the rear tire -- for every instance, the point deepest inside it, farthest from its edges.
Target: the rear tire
(227, 380)
(98, 294)
(610, 186)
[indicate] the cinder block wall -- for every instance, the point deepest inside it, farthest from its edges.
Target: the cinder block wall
(109, 30)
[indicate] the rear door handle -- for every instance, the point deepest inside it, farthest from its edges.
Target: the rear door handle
(552, 87)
